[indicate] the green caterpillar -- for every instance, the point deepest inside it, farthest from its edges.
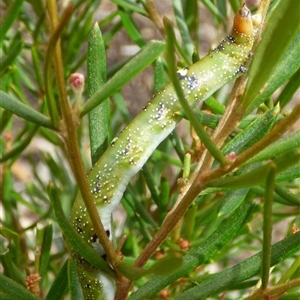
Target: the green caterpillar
(130, 150)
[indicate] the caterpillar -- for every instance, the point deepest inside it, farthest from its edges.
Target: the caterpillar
(129, 151)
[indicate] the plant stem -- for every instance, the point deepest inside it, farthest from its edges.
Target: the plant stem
(262, 13)
(267, 227)
(155, 16)
(278, 289)
(69, 133)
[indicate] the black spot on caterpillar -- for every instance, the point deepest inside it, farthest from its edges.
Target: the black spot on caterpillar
(130, 150)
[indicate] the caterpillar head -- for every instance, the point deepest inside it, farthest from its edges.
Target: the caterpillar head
(243, 21)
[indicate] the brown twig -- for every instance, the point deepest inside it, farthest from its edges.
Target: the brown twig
(69, 130)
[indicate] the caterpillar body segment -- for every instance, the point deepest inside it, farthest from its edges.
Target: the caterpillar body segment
(128, 152)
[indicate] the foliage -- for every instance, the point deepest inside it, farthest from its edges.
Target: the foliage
(223, 242)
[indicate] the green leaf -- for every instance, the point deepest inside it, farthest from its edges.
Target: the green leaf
(164, 198)
(287, 66)
(139, 62)
(45, 250)
(131, 272)
(11, 255)
(167, 265)
(248, 268)
(177, 144)
(160, 78)
(60, 284)
(163, 267)
(190, 221)
(37, 67)
(74, 240)
(18, 291)
(107, 36)
(213, 9)
(15, 47)
(131, 28)
(182, 26)
(122, 111)
(74, 284)
(280, 147)
(286, 194)
(292, 201)
(257, 176)
(215, 106)
(140, 210)
(20, 109)
(30, 133)
(74, 44)
(10, 268)
(282, 27)
(158, 155)
(12, 237)
(289, 90)
(199, 255)
(222, 7)
(132, 6)
(290, 174)
(253, 133)
(5, 118)
(99, 116)
(151, 183)
(290, 296)
(231, 201)
(8, 19)
(207, 119)
(235, 4)
(4, 296)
